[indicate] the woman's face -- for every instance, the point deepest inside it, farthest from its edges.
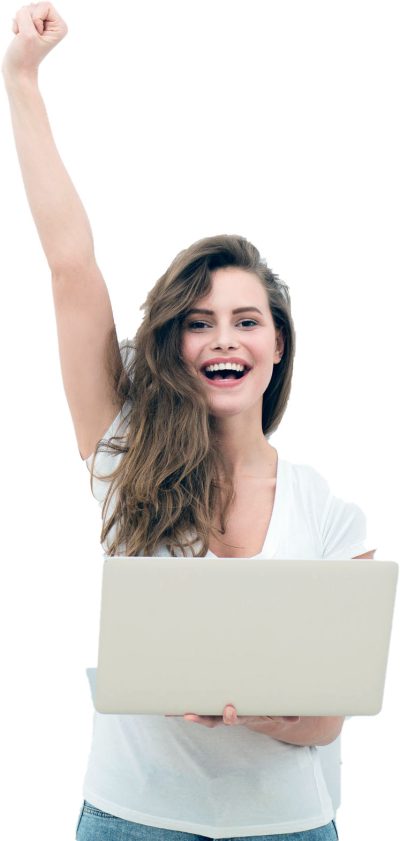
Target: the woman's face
(232, 323)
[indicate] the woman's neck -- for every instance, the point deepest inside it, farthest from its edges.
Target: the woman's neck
(245, 449)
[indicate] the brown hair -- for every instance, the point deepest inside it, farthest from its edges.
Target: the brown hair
(172, 479)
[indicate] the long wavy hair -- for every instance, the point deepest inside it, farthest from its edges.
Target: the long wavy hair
(171, 480)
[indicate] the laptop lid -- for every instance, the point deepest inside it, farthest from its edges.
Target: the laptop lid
(273, 637)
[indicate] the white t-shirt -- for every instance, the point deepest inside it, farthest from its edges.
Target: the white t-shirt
(225, 781)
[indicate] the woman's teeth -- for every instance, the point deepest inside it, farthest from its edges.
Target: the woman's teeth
(225, 371)
(225, 366)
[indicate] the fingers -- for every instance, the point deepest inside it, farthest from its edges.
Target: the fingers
(229, 715)
(24, 21)
(33, 16)
(204, 720)
(44, 11)
(40, 19)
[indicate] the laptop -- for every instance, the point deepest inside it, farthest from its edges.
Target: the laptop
(272, 637)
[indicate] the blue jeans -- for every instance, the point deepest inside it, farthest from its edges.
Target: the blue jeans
(95, 825)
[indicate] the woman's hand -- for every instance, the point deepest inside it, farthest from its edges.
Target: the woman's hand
(230, 717)
(38, 28)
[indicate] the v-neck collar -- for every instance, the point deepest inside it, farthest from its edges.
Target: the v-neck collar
(270, 542)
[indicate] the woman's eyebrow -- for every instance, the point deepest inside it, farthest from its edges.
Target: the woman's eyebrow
(211, 312)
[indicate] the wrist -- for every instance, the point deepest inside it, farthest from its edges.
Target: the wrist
(16, 82)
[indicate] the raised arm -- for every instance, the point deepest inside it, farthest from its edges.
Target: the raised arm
(85, 323)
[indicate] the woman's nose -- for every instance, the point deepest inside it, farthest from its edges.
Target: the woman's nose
(225, 338)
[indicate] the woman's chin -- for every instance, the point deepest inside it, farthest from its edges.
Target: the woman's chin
(222, 409)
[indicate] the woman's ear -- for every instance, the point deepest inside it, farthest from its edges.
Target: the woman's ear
(279, 347)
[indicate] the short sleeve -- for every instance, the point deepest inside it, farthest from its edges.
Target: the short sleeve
(342, 525)
(105, 461)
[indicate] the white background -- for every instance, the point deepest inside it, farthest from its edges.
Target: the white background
(177, 120)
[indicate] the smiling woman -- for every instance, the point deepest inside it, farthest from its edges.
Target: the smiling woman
(184, 467)
(178, 464)
(248, 347)
(207, 379)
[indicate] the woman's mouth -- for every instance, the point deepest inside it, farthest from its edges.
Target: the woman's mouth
(225, 377)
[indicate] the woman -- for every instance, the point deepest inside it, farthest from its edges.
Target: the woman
(174, 428)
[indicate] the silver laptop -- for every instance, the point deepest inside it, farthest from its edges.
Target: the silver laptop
(272, 637)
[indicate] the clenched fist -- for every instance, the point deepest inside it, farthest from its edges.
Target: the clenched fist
(38, 29)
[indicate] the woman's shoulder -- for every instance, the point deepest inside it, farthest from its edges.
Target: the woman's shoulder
(303, 475)
(127, 351)
(339, 522)
(322, 496)
(310, 485)
(106, 457)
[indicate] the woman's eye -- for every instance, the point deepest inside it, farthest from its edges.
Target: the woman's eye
(197, 325)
